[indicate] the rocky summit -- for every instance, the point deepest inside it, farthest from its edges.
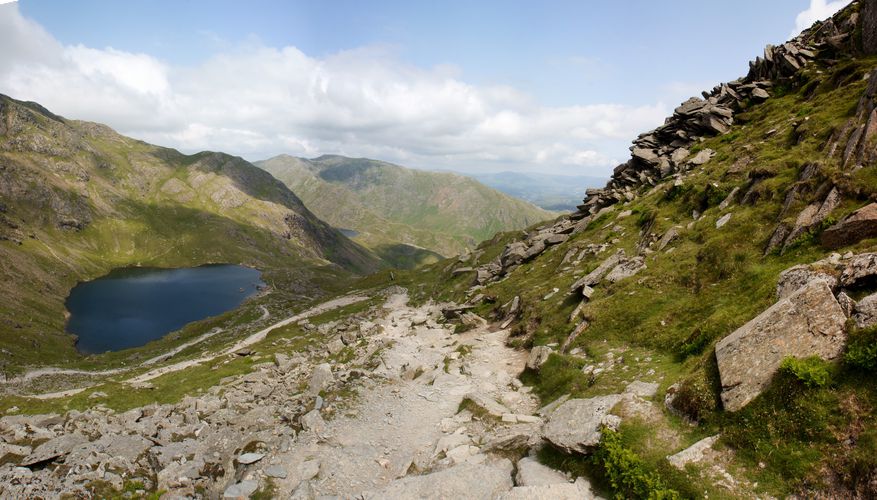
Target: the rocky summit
(704, 326)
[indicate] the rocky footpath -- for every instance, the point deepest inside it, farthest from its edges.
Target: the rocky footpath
(391, 404)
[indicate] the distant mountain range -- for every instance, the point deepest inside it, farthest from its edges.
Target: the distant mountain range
(551, 192)
(400, 212)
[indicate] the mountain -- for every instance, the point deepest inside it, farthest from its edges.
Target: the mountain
(705, 323)
(551, 192)
(78, 199)
(390, 208)
(703, 326)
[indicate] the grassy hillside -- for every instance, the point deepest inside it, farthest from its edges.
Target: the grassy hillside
(801, 436)
(391, 207)
(77, 199)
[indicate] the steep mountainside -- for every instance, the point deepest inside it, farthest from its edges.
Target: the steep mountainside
(551, 192)
(726, 275)
(388, 205)
(77, 199)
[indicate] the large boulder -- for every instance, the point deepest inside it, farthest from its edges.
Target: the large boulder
(809, 322)
(575, 425)
(859, 225)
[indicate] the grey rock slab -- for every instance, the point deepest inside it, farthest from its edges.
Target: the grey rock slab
(792, 279)
(857, 226)
(810, 322)
(532, 473)
(723, 220)
(865, 311)
(642, 389)
(487, 403)
(692, 454)
(579, 490)
(276, 471)
(313, 421)
(460, 481)
(250, 458)
(54, 448)
(538, 356)
(857, 268)
(597, 274)
(575, 425)
(321, 378)
(242, 489)
(626, 268)
(702, 157)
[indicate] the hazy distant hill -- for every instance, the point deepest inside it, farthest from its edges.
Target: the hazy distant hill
(551, 192)
(388, 205)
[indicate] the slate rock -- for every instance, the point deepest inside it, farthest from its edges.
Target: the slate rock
(532, 473)
(808, 322)
(321, 378)
(859, 225)
(538, 356)
(242, 489)
(575, 425)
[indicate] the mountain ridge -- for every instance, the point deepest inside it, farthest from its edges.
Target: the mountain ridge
(77, 199)
(443, 212)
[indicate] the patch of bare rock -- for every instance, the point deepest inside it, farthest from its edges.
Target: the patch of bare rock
(809, 318)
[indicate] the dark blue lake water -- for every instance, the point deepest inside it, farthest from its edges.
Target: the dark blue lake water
(132, 306)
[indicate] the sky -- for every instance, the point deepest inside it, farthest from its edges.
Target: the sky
(557, 87)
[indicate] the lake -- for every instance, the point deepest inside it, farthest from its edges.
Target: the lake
(132, 306)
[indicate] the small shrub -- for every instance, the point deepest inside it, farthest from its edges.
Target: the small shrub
(812, 372)
(862, 350)
(626, 472)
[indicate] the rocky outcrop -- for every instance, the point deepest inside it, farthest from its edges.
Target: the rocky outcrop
(519, 252)
(667, 150)
(809, 322)
(859, 225)
(575, 425)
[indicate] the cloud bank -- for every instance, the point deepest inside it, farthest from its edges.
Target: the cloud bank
(255, 101)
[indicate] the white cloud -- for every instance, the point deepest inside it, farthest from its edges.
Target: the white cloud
(254, 100)
(818, 10)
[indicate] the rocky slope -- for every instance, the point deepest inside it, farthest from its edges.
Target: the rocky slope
(731, 262)
(77, 199)
(674, 345)
(390, 207)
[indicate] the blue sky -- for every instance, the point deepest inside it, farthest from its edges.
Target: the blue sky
(560, 87)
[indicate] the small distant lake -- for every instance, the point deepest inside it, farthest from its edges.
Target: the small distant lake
(132, 306)
(350, 233)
